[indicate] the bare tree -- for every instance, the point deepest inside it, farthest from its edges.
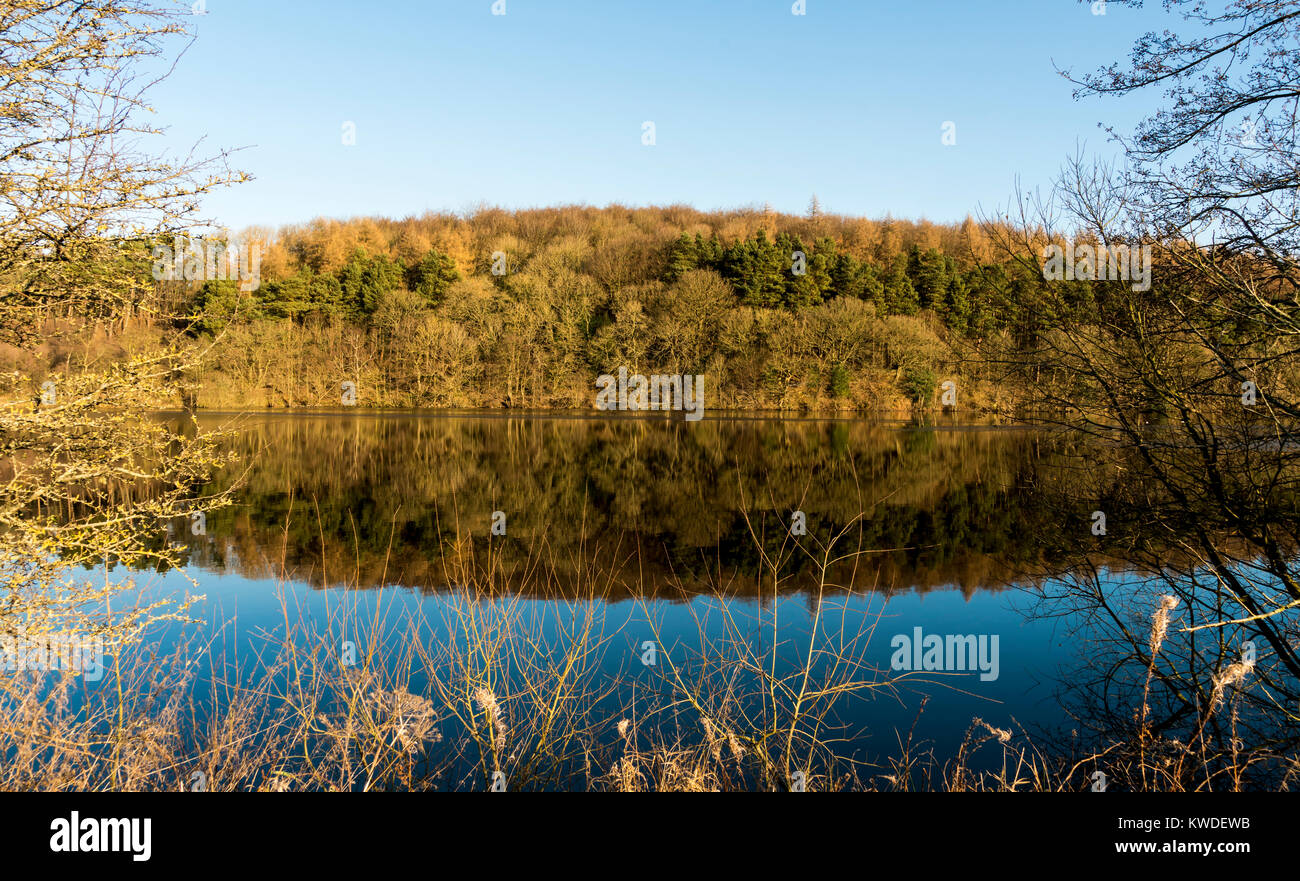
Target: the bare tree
(86, 475)
(1189, 375)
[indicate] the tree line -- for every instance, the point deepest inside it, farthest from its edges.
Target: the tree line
(524, 308)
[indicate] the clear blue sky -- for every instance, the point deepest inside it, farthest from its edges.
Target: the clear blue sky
(545, 105)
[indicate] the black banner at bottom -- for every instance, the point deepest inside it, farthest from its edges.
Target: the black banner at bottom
(144, 833)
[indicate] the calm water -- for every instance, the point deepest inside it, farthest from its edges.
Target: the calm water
(669, 530)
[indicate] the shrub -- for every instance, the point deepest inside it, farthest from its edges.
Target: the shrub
(839, 381)
(919, 384)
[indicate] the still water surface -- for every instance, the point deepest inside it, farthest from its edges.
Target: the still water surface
(670, 531)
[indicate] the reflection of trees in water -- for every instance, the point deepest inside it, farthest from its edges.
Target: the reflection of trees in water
(1190, 377)
(1210, 703)
(658, 500)
(1193, 714)
(659, 507)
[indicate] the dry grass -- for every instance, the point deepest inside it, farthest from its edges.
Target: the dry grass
(494, 689)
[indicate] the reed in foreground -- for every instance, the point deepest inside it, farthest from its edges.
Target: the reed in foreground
(486, 690)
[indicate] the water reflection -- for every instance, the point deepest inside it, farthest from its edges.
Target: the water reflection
(382, 499)
(678, 536)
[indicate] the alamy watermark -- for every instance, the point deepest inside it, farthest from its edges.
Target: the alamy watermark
(76, 834)
(1084, 262)
(637, 392)
(209, 259)
(952, 652)
(68, 652)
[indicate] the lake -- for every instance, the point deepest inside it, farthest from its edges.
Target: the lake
(897, 581)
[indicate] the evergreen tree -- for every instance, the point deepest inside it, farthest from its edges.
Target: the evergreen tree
(899, 296)
(807, 289)
(851, 277)
(364, 279)
(929, 274)
(683, 256)
(758, 270)
(956, 310)
(218, 302)
(432, 276)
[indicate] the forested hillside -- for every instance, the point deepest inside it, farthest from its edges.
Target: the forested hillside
(494, 308)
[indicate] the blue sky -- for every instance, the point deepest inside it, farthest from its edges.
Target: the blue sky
(544, 105)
